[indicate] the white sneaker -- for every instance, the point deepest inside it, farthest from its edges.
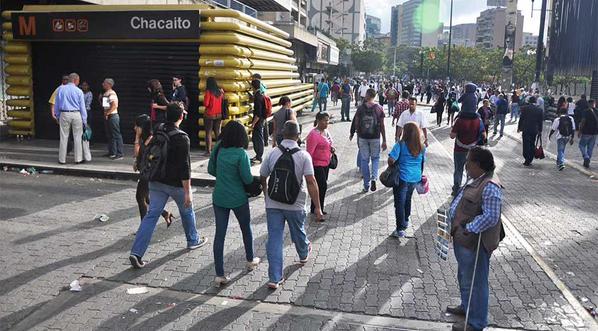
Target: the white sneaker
(251, 265)
(221, 280)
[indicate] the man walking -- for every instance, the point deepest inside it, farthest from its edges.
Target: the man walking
(70, 111)
(346, 98)
(368, 122)
(467, 131)
(413, 115)
(175, 184)
(475, 213)
(294, 214)
(400, 107)
(502, 109)
(109, 102)
(323, 91)
(259, 121)
(391, 94)
(588, 131)
(564, 127)
(530, 125)
(363, 89)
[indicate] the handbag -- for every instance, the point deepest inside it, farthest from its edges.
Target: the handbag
(387, 177)
(333, 161)
(87, 133)
(423, 186)
(539, 152)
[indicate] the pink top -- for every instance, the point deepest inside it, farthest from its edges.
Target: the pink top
(318, 146)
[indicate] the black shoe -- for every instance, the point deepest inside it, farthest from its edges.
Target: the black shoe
(136, 261)
(116, 157)
(373, 186)
(586, 163)
(456, 310)
(527, 164)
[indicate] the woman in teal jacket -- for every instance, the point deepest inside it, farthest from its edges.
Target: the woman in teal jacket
(230, 164)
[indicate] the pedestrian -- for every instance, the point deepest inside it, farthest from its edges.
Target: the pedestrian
(179, 93)
(230, 164)
(570, 107)
(381, 98)
(413, 115)
(477, 231)
(346, 97)
(407, 156)
(588, 131)
(158, 103)
(368, 122)
(530, 125)
(562, 104)
(486, 115)
(109, 102)
(439, 107)
(88, 97)
(293, 213)
(319, 146)
(356, 94)
(259, 121)
(52, 101)
(428, 93)
(323, 91)
(263, 87)
(502, 109)
(494, 98)
(335, 94)
(391, 94)
(175, 184)
(581, 105)
(400, 107)
(363, 89)
(284, 114)
(70, 112)
(467, 131)
(540, 101)
(564, 126)
(143, 136)
(213, 98)
(452, 106)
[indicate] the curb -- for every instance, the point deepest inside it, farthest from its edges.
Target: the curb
(552, 156)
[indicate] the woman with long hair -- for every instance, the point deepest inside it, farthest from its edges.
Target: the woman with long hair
(143, 136)
(212, 102)
(230, 164)
(159, 102)
(319, 146)
(515, 98)
(407, 156)
(284, 114)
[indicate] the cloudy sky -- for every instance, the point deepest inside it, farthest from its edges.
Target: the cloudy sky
(464, 11)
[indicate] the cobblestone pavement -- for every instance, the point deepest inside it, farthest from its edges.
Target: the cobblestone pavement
(50, 239)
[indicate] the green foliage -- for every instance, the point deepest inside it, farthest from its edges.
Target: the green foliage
(368, 57)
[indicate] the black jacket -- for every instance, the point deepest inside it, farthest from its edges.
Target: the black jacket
(259, 106)
(178, 165)
(531, 119)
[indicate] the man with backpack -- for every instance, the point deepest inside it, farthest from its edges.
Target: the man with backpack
(564, 126)
(282, 176)
(368, 122)
(467, 132)
(588, 131)
(260, 116)
(167, 166)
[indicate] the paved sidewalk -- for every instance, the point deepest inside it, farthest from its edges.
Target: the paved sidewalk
(355, 269)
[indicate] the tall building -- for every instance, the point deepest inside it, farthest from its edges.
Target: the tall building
(338, 18)
(463, 35)
(372, 26)
(490, 32)
(529, 39)
(416, 23)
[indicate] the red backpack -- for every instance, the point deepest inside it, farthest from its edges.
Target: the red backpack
(268, 106)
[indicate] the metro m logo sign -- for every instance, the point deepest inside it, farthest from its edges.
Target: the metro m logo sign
(27, 26)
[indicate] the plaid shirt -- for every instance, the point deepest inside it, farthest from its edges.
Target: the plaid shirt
(491, 204)
(400, 107)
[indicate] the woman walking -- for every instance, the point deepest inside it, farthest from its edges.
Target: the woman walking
(408, 156)
(439, 107)
(285, 113)
(229, 163)
(212, 102)
(143, 136)
(319, 146)
(159, 103)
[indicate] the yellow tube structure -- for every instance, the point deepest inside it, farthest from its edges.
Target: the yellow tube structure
(212, 13)
(243, 51)
(20, 114)
(18, 80)
(231, 26)
(19, 102)
(239, 39)
(243, 63)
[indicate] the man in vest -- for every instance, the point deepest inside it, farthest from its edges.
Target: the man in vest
(476, 212)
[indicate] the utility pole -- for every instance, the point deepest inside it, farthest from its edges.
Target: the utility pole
(540, 45)
(448, 62)
(510, 35)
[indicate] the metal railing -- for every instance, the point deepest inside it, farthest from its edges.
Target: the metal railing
(236, 5)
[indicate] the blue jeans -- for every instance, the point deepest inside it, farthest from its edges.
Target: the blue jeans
(514, 111)
(158, 196)
(402, 196)
(322, 101)
(243, 216)
(499, 118)
(369, 149)
(478, 312)
(391, 107)
(274, 247)
(586, 145)
(561, 143)
(459, 159)
(345, 107)
(115, 138)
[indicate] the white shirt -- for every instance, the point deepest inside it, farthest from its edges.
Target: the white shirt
(417, 117)
(399, 88)
(555, 126)
(540, 103)
(571, 109)
(362, 90)
(493, 99)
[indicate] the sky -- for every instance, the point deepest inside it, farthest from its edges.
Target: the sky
(464, 11)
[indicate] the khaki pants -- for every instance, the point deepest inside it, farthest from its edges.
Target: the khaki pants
(68, 120)
(86, 151)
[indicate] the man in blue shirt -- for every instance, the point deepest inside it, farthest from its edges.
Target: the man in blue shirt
(502, 109)
(69, 109)
(346, 97)
(323, 91)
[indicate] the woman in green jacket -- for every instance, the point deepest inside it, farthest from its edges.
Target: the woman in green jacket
(230, 164)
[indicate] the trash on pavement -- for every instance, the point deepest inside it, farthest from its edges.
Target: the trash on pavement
(570, 273)
(137, 290)
(32, 170)
(592, 310)
(224, 303)
(133, 310)
(5, 168)
(24, 172)
(171, 305)
(75, 286)
(46, 172)
(583, 299)
(101, 217)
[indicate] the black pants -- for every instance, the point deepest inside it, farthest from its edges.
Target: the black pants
(321, 174)
(428, 97)
(257, 137)
(142, 197)
(439, 113)
(529, 146)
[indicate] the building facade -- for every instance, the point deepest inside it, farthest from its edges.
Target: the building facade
(338, 18)
(463, 35)
(373, 25)
(395, 15)
(490, 30)
(416, 23)
(530, 40)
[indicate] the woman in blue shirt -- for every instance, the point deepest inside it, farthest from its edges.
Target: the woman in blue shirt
(408, 156)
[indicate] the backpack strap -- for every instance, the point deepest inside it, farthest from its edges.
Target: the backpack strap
(287, 150)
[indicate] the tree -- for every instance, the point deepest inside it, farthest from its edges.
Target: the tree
(368, 57)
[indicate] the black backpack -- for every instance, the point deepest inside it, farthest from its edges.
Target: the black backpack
(369, 127)
(152, 166)
(283, 185)
(565, 126)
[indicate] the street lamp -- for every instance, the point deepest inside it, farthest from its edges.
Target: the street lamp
(448, 62)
